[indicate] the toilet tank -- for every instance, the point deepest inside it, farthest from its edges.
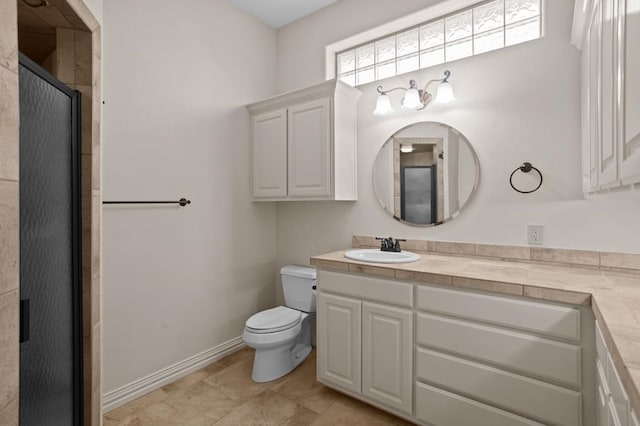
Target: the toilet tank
(298, 286)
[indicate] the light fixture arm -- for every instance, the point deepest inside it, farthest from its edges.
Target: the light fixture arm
(384, 92)
(425, 95)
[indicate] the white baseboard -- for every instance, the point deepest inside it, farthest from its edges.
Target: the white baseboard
(136, 389)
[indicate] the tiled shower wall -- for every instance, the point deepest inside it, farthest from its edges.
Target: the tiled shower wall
(74, 66)
(9, 230)
(78, 65)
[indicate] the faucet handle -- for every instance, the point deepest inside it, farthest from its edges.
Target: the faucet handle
(385, 243)
(396, 246)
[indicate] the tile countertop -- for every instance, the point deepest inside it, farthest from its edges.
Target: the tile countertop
(614, 296)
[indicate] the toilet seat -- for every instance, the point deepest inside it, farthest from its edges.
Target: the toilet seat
(273, 320)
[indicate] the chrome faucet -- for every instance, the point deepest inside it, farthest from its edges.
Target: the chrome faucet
(388, 244)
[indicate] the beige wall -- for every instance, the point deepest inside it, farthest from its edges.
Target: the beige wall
(180, 281)
(302, 43)
(511, 112)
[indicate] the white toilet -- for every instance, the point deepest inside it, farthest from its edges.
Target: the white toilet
(281, 336)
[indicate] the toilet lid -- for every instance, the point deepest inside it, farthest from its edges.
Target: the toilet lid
(273, 320)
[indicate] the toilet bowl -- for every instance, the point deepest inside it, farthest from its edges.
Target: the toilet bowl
(281, 336)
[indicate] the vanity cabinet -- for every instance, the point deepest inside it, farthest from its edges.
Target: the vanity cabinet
(455, 357)
(365, 347)
(304, 144)
(605, 30)
(612, 403)
(512, 361)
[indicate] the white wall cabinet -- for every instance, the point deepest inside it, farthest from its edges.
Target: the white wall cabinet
(450, 357)
(304, 144)
(606, 31)
(629, 120)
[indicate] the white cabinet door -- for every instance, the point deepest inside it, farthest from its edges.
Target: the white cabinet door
(595, 105)
(629, 128)
(339, 341)
(608, 166)
(602, 396)
(387, 366)
(270, 154)
(586, 123)
(310, 149)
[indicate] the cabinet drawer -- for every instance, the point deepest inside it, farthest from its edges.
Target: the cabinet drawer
(438, 407)
(381, 290)
(619, 400)
(522, 352)
(541, 318)
(545, 402)
(633, 419)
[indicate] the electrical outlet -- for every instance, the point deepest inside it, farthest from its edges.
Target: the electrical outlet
(534, 234)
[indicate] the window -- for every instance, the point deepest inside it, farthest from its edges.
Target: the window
(483, 27)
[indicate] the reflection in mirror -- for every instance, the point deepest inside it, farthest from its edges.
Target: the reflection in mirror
(425, 174)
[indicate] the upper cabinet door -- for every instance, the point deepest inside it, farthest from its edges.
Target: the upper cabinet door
(310, 149)
(595, 110)
(629, 123)
(270, 154)
(608, 164)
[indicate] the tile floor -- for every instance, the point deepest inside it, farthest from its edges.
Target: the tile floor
(223, 394)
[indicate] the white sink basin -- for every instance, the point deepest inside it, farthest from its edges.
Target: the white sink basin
(378, 256)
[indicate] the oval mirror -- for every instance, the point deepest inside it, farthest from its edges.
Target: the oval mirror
(425, 174)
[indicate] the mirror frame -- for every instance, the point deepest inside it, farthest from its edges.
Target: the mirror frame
(464, 205)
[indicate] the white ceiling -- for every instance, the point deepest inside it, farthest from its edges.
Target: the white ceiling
(277, 13)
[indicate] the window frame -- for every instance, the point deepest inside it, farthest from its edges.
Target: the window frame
(433, 19)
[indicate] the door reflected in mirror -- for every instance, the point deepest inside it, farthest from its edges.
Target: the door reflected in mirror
(425, 174)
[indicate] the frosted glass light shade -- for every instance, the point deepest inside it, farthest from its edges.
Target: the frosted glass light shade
(406, 147)
(445, 93)
(383, 105)
(411, 99)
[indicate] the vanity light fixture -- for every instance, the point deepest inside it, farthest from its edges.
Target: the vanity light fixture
(415, 98)
(406, 147)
